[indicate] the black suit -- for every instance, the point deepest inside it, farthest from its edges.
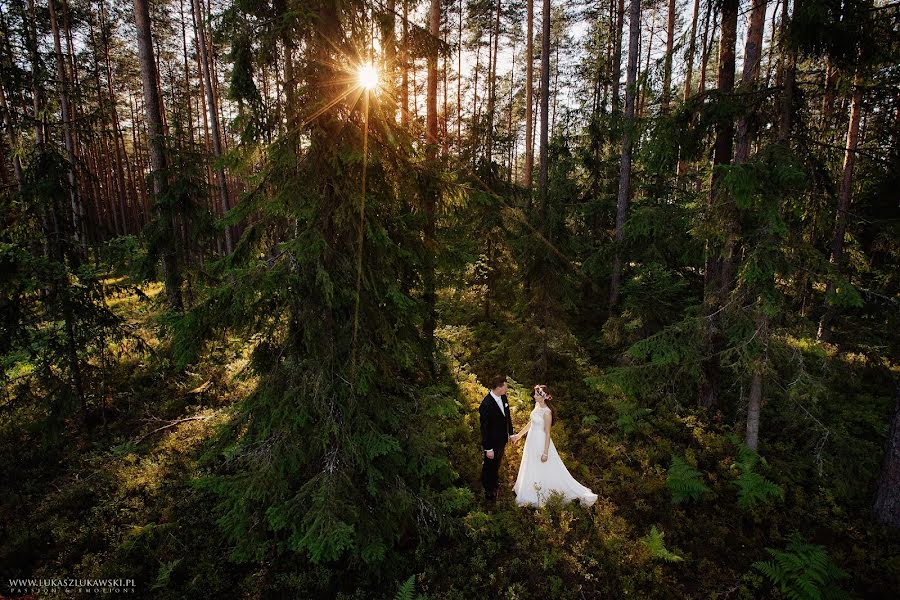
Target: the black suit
(496, 427)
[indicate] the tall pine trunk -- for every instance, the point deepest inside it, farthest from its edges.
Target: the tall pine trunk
(715, 280)
(4, 106)
(290, 84)
(840, 222)
(752, 56)
(708, 39)
(389, 46)
(459, 81)
(492, 88)
(117, 156)
(887, 498)
(754, 405)
(545, 104)
(430, 193)
(692, 48)
(634, 35)
(40, 125)
(645, 89)
(404, 68)
(681, 167)
(617, 56)
(13, 136)
(667, 69)
(529, 93)
(155, 140)
(76, 216)
(215, 132)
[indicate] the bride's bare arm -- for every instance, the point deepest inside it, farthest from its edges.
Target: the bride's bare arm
(547, 424)
(522, 433)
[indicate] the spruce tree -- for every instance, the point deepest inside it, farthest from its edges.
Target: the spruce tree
(332, 455)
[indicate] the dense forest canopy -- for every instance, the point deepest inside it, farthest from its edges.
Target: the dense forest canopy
(260, 258)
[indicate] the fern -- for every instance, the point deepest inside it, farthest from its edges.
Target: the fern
(803, 571)
(407, 589)
(753, 488)
(630, 418)
(654, 542)
(165, 572)
(684, 481)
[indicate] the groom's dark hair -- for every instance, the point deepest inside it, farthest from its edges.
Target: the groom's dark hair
(496, 381)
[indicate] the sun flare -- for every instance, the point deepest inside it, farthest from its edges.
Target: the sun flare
(367, 77)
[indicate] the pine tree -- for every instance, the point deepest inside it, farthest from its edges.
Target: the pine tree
(158, 162)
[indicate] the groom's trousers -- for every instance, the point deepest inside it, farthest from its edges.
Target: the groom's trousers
(490, 472)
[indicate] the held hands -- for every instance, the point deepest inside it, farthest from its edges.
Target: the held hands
(490, 454)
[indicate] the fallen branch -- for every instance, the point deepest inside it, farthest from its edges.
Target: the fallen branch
(170, 424)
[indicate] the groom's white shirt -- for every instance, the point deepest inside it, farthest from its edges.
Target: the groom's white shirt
(499, 402)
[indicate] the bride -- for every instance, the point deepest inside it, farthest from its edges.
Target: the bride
(542, 470)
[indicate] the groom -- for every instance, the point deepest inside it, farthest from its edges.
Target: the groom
(496, 429)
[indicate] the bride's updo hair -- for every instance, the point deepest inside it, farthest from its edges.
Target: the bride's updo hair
(547, 397)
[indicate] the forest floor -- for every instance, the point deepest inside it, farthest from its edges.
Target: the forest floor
(121, 503)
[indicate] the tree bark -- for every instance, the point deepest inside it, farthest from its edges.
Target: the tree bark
(404, 68)
(754, 405)
(4, 106)
(77, 208)
(157, 150)
(213, 119)
(617, 57)
(207, 138)
(715, 280)
(748, 81)
(887, 497)
(40, 125)
(139, 156)
(14, 94)
(430, 193)
(708, 40)
(187, 71)
(459, 80)
(828, 97)
(529, 93)
(840, 222)
(752, 56)
(545, 104)
(492, 88)
(389, 46)
(514, 135)
(667, 70)
(117, 158)
(681, 167)
(555, 85)
(692, 47)
(634, 34)
(290, 96)
(445, 123)
(789, 78)
(13, 136)
(473, 133)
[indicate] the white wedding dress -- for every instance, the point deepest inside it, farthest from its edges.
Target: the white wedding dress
(536, 479)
